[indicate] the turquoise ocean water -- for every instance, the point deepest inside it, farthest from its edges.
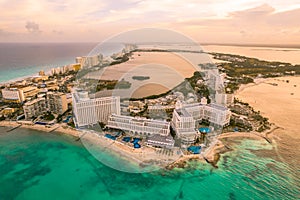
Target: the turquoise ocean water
(19, 60)
(37, 165)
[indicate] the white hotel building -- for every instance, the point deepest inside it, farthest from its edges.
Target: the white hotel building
(185, 117)
(214, 113)
(139, 126)
(89, 111)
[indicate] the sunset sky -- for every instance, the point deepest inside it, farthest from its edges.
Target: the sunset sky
(206, 21)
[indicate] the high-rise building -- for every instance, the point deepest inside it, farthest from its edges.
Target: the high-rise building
(185, 117)
(57, 102)
(78, 60)
(214, 113)
(224, 99)
(35, 108)
(89, 61)
(184, 125)
(56, 71)
(214, 80)
(89, 111)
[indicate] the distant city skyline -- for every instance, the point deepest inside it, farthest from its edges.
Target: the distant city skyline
(220, 21)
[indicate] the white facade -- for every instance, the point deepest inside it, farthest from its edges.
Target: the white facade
(91, 111)
(185, 117)
(160, 141)
(90, 61)
(56, 71)
(214, 81)
(183, 120)
(78, 60)
(224, 99)
(214, 113)
(159, 108)
(184, 125)
(217, 114)
(139, 126)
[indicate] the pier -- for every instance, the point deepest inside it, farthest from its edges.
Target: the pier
(13, 128)
(53, 129)
(79, 138)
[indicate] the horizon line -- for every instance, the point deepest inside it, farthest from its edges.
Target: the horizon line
(204, 43)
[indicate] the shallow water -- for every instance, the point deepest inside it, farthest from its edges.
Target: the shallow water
(35, 165)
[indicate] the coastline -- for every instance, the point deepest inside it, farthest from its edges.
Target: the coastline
(145, 156)
(57, 128)
(148, 154)
(211, 155)
(277, 134)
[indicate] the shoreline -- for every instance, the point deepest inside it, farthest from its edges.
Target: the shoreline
(56, 128)
(148, 154)
(143, 156)
(210, 155)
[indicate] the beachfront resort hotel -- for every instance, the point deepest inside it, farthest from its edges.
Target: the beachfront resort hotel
(89, 111)
(186, 116)
(139, 126)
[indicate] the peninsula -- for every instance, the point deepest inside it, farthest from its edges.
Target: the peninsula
(164, 129)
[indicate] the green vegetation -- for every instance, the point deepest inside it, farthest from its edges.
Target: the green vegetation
(166, 50)
(123, 84)
(59, 117)
(2, 118)
(246, 118)
(107, 84)
(151, 96)
(122, 59)
(235, 83)
(71, 124)
(242, 70)
(102, 125)
(48, 116)
(240, 66)
(140, 78)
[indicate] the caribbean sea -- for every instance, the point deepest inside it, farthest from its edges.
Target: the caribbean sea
(19, 60)
(37, 165)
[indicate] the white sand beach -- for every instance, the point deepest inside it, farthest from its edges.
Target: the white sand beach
(57, 128)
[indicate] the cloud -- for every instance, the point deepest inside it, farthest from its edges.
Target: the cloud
(261, 24)
(256, 12)
(218, 19)
(263, 16)
(32, 27)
